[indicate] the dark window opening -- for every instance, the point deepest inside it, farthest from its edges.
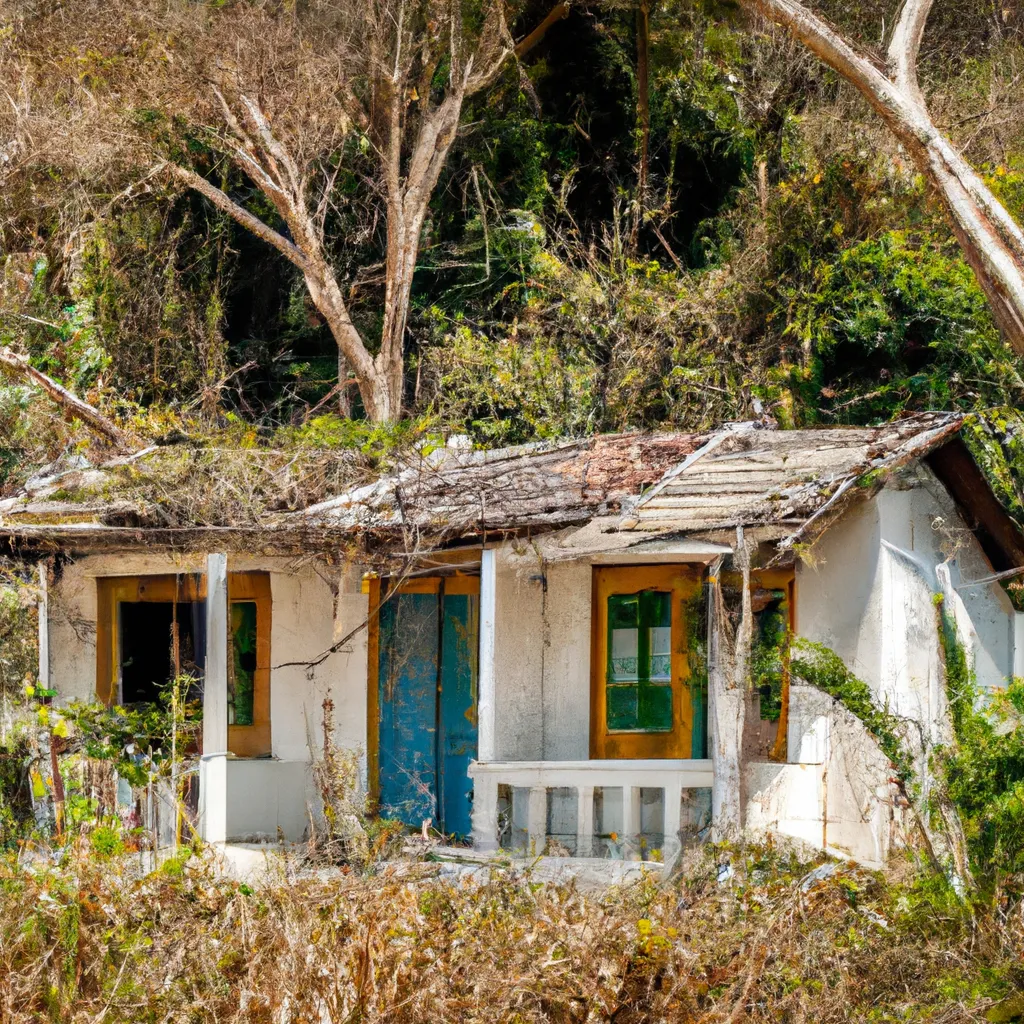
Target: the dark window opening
(242, 667)
(769, 654)
(147, 655)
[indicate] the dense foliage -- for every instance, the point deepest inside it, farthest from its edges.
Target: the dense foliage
(784, 256)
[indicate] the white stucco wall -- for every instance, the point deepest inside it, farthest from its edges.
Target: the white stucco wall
(836, 793)
(867, 591)
(518, 659)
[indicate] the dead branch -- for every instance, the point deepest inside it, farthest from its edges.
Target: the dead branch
(72, 406)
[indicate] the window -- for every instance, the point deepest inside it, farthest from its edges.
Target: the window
(135, 659)
(641, 700)
(638, 689)
(242, 666)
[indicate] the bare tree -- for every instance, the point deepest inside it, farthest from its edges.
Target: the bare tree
(293, 97)
(992, 241)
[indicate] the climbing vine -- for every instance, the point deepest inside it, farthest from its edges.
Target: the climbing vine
(983, 771)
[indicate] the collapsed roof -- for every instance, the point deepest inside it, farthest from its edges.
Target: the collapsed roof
(792, 481)
(685, 483)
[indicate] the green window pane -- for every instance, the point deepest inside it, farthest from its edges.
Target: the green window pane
(656, 621)
(654, 708)
(640, 654)
(621, 706)
(241, 686)
(623, 637)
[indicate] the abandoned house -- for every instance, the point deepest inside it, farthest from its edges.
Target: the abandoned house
(549, 645)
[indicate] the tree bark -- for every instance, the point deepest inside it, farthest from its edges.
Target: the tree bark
(71, 404)
(643, 98)
(728, 657)
(992, 242)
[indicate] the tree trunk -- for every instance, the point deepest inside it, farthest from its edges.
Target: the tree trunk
(643, 100)
(643, 120)
(344, 399)
(728, 657)
(408, 199)
(992, 242)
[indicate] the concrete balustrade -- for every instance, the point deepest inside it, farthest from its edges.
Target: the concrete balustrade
(584, 777)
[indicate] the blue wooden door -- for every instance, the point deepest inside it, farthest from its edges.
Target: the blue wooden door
(427, 704)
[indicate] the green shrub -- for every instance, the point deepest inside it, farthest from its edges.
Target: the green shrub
(107, 841)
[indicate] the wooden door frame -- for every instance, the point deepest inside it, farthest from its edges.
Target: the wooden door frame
(681, 580)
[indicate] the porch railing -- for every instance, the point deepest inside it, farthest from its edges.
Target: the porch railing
(538, 777)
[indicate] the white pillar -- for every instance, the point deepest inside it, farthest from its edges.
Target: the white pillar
(1018, 644)
(630, 813)
(537, 819)
(672, 798)
(213, 798)
(44, 626)
(485, 812)
(213, 779)
(486, 739)
(585, 821)
(215, 684)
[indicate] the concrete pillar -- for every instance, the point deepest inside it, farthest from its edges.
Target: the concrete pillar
(485, 813)
(672, 798)
(215, 685)
(213, 779)
(1018, 644)
(585, 821)
(630, 813)
(537, 819)
(486, 739)
(213, 798)
(44, 626)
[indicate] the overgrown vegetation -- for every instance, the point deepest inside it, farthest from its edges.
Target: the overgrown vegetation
(784, 254)
(984, 769)
(773, 943)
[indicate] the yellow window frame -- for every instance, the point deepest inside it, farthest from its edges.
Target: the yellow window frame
(682, 582)
(243, 740)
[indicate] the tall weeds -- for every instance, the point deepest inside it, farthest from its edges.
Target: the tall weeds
(81, 943)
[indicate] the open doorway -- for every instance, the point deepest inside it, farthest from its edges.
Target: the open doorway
(146, 648)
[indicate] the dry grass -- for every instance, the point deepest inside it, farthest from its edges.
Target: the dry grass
(85, 943)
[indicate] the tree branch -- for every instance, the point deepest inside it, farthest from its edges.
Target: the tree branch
(825, 43)
(238, 213)
(72, 405)
(992, 242)
(905, 46)
(528, 42)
